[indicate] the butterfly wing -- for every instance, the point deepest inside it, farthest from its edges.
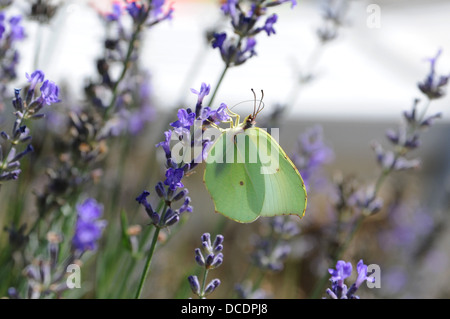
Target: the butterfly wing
(232, 177)
(284, 189)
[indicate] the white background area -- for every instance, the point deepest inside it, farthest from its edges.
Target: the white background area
(366, 73)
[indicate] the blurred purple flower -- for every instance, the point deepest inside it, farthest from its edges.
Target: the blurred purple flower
(362, 274)
(88, 229)
(35, 78)
(49, 92)
(268, 26)
(342, 271)
(434, 86)
(311, 155)
(17, 31)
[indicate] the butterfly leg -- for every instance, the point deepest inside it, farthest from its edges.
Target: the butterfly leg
(233, 115)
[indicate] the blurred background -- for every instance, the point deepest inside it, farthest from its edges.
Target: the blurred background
(357, 86)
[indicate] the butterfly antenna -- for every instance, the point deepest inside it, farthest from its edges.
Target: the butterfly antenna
(254, 105)
(261, 104)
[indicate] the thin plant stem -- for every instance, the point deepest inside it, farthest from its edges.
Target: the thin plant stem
(147, 263)
(219, 82)
(127, 61)
(205, 275)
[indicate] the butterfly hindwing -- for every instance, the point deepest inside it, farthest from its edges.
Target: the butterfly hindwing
(233, 178)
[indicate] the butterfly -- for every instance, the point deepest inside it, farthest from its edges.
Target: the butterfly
(248, 174)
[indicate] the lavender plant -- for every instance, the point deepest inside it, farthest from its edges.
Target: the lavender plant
(26, 109)
(343, 270)
(11, 33)
(365, 201)
(47, 276)
(209, 257)
(237, 49)
(165, 215)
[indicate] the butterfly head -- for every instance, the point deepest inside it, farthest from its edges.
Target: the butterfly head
(250, 120)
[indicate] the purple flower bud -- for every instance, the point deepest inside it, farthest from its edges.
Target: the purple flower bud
(18, 156)
(212, 286)
(186, 207)
(166, 143)
(142, 200)
(160, 190)
(217, 261)
(204, 90)
(195, 284)
(218, 243)
(199, 257)
(180, 195)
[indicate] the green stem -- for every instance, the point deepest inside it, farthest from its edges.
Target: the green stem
(150, 254)
(202, 291)
(147, 263)
(219, 82)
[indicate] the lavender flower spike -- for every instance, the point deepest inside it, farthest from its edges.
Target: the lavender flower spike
(209, 257)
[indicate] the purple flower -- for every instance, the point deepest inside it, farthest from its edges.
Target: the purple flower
(433, 86)
(219, 39)
(185, 119)
(342, 271)
(268, 26)
(49, 92)
(89, 210)
(88, 228)
(116, 12)
(35, 78)
(173, 178)
(204, 90)
(229, 8)
(220, 115)
(142, 200)
(2, 26)
(248, 52)
(186, 207)
(17, 31)
(136, 11)
(157, 7)
(311, 155)
(362, 274)
(166, 143)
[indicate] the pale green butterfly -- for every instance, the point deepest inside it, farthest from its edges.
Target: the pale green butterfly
(251, 175)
